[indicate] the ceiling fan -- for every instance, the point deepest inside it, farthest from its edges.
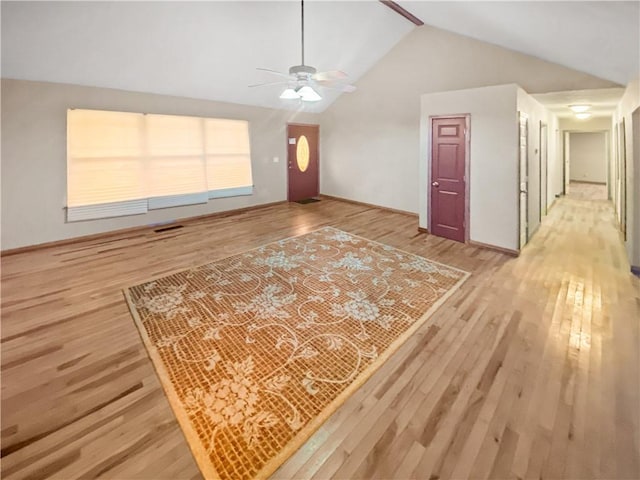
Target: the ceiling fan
(302, 78)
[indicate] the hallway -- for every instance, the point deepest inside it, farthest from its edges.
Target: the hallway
(587, 191)
(530, 370)
(577, 277)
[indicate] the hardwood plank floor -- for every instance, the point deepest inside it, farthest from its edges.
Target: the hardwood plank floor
(587, 191)
(534, 372)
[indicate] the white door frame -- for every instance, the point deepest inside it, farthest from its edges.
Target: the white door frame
(523, 179)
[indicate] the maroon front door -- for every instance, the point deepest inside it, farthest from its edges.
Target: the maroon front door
(447, 178)
(302, 159)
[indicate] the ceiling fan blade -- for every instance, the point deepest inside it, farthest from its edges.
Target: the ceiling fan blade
(342, 88)
(330, 75)
(267, 83)
(329, 83)
(274, 72)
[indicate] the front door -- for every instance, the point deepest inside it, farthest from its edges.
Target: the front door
(302, 161)
(448, 166)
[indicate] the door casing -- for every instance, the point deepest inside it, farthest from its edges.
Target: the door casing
(544, 168)
(523, 167)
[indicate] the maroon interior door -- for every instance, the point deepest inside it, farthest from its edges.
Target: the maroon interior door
(302, 160)
(448, 167)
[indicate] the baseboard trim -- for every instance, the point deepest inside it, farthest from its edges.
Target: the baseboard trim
(587, 182)
(506, 251)
(423, 230)
(635, 270)
(130, 230)
(370, 205)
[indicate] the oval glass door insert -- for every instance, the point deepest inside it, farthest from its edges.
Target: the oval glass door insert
(302, 153)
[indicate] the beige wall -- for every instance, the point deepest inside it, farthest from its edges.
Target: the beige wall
(493, 157)
(34, 156)
(588, 158)
(370, 138)
(593, 124)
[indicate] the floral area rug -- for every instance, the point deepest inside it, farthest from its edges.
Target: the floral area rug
(256, 350)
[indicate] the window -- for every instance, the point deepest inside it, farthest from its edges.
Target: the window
(228, 157)
(128, 163)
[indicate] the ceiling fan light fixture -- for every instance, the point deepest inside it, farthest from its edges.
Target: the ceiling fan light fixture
(289, 94)
(302, 78)
(308, 94)
(583, 115)
(579, 108)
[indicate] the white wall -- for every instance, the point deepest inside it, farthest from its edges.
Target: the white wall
(370, 138)
(554, 187)
(629, 103)
(493, 159)
(593, 124)
(536, 114)
(588, 157)
(34, 156)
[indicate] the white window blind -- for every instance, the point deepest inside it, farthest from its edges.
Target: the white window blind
(175, 162)
(125, 163)
(228, 157)
(105, 152)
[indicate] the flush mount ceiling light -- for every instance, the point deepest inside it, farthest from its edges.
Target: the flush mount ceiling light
(303, 81)
(583, 115)
(579, 108)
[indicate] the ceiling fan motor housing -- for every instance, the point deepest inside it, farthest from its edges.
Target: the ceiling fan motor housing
(304, 69)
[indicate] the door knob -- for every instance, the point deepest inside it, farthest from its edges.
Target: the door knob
(435, 184)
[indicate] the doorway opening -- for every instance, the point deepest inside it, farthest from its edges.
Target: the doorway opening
(587, 158)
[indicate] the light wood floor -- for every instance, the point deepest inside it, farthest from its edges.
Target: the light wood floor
(533, 374)
(587, 191)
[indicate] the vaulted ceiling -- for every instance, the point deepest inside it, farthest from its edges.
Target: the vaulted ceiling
(210, 50)
(600, 38)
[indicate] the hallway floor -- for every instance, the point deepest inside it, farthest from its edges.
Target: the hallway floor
(587, 191)
(530, 370)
